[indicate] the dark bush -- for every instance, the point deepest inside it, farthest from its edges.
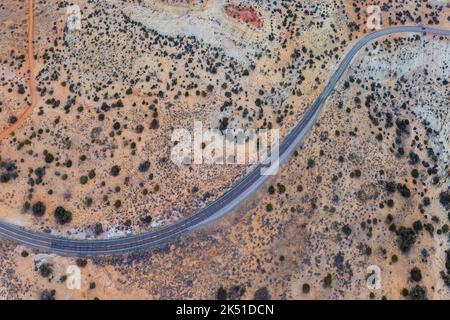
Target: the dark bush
(236, 292)
(417, 226)
(115, 171)
(405, 292)
(91, 174)
(38, 209)
(45, 270)
(223, 124)
(390, 203)
(281, 188)
(416, 274)
(98, 229)
(62, 215)
(403, 190)
(261, 294)
(429, 227)
(49, 157)
(327, 281)
(117, 204)
(139, 128)
(83, 179)
(144, 166)
(12, 119)
(391, 186)
(81, 262)
(147, 219)
(5, 177)
(407, 238)
(221, 294)
(48, 294)
(154, 124)
(418, 293)
(444, 199)
(21, 89)
(306, 288)
(346, 230)
(389, 218)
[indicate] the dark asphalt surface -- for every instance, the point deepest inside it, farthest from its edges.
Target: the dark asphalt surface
(225, 203)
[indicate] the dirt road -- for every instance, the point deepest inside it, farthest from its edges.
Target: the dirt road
(28, 108)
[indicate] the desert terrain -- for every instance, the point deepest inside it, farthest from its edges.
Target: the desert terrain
(85, 148)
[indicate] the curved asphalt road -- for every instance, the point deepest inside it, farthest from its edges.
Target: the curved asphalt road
(223, 205)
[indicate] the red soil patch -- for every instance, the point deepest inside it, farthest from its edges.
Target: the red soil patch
(245, 14)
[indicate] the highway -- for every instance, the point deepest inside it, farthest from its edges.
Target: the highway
(226, 202)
